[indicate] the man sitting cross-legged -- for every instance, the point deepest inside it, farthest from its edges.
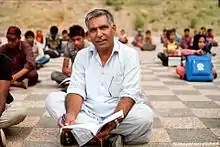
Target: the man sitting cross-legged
(24, 67)
(105, 79)
(77, 34)
(11, 113)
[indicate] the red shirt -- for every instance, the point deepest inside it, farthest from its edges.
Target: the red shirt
(22, 57)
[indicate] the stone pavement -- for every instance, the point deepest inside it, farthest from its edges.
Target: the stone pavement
(186, 114)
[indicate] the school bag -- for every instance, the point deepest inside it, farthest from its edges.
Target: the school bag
(199, 68)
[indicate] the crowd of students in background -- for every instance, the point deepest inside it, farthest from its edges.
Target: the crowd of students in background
(34, 50)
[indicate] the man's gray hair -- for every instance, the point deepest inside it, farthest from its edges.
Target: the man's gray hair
(99, 12)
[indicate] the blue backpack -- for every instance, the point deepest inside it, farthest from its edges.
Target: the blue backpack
(199, 68)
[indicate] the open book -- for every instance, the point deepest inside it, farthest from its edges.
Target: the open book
(85, 132)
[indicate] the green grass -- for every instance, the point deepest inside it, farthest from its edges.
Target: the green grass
(175, 13)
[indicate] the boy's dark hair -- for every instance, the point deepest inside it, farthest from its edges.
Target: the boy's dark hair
(202, 28)
(173, 29)
(169, 33)
(29, 34)
(148, 32)
(76, 30)
(54, 30)
(164, 30)
(209, 30)
(186, 30)
(64, 32)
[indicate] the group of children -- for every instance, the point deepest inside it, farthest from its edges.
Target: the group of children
(141, 41)
(199, 44)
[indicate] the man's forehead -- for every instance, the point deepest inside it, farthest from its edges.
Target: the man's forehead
(98, 21)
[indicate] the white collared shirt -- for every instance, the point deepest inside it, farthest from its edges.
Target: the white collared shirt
(102, 86)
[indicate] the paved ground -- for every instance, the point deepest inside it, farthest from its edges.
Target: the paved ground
(186, 114)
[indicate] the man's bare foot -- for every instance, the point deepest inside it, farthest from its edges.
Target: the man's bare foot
(19, 84)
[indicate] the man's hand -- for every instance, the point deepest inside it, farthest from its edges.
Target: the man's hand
(69, 120)
(106, 129)
(68, 72)
(14, 78)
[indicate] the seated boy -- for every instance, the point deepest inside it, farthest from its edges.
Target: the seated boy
(186, 39)
(202, 50)
(64, 41)
(170, 48)
(148, 42)
(37, 49)
(53, 43)
(123, 37)
(210, 38)
(24, 66)
(77, 34)
(138, 39)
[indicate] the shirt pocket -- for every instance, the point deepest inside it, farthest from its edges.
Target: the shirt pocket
(115, 85)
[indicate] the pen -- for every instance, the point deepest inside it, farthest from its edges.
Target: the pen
(63, 119)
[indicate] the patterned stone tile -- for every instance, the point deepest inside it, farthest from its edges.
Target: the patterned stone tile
(159, 135)
(156, 145)
(17, 134)
(30, 121)
(35, 104)
(214, 144)
(216, 131)
(206, 87)
(186, 92)
(152, 83)
(15, 144)
(162, 98)
(217, 102)
(213, 97)
(47, 122)
(170, 79)
(182, 122)
(41, 144)
(193, 98)
(211, 122)
(198, 104)
(178, 112)
(44, 135)
(175, 83)
(180, 87)
(207, 113)
(160, 92)
(153, 87)
(167, 104)
(35, 111)
(157, 123)
(36, 97)
(192, 135)
(209, 92)
(19, 96)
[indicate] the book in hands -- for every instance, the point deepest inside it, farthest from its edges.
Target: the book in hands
(84, 132)
(94, 128)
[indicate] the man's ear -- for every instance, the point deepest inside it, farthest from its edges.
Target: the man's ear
(114, 27)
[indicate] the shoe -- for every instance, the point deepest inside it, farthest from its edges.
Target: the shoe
(67, 138)
(215, 76)
(213, 54)
(113, 140)
(2, 138)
